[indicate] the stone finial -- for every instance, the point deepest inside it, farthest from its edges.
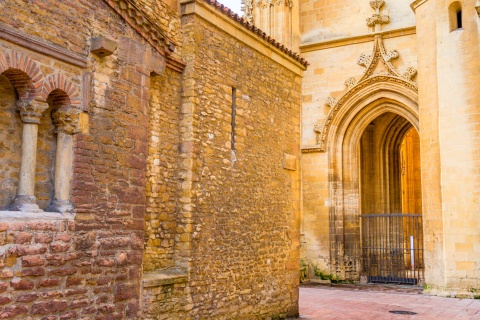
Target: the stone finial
(247, 8)
(377, 5)
(377, 18)
(66, 120)
(31, 111)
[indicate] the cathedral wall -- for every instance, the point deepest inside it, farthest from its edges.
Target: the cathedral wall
(244, 261)
(330, 66)
(452, 59)
(322, 20)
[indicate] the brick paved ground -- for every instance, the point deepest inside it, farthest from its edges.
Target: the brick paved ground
(374, 302)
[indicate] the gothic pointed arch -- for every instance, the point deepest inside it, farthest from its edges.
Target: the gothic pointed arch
(380, 76)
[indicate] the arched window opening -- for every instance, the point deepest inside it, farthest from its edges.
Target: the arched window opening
(10, 143)
(455, 15)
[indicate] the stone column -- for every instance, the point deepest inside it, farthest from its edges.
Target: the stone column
(30, 112)
(66, 122)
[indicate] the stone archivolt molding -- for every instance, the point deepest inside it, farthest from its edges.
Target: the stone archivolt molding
(369, 78)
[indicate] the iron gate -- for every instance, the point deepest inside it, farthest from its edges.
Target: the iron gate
(392, 248)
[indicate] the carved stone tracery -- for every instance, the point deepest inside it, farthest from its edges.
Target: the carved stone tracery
(370, 77)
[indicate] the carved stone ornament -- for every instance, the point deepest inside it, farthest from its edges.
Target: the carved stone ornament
(247, 8)
(350, 82)
(410, 73)
(31, 111)
(377, 17)
(330, 102)
(377, 4)
(66, 120)
(365, 59)
(370, 76)
(391, 55)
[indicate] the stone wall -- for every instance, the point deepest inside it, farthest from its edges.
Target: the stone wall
(10, 145)
(337, 19)
(244, 259)
(448, 98)
(162, 171)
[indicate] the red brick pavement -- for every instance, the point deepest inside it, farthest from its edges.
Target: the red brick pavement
(375, 302)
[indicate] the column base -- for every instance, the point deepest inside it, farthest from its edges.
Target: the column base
(61, 206)
(25, 203)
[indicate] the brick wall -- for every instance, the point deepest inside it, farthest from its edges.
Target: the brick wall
(97, 272)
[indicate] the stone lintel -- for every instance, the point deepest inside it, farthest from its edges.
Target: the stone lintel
(159, 278)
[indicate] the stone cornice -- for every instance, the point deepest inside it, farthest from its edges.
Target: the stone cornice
(313, 149)
(146, 28)
(230, 22)
(417, 3)
(42, 46)
(356, 39)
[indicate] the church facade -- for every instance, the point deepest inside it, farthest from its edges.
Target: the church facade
(173, 160)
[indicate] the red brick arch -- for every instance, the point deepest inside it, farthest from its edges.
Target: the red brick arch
(58, 82)
(24, 73)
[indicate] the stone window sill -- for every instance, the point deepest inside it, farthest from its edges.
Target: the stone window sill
(25, 215)
(164, 277)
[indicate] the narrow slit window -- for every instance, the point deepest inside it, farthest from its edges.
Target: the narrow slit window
(459, 19)
(234, 111)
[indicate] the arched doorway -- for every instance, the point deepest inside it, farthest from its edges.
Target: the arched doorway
(391, 202)
(365, 174)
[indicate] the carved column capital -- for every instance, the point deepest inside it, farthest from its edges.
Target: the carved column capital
(31, 111)
(66, 120)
